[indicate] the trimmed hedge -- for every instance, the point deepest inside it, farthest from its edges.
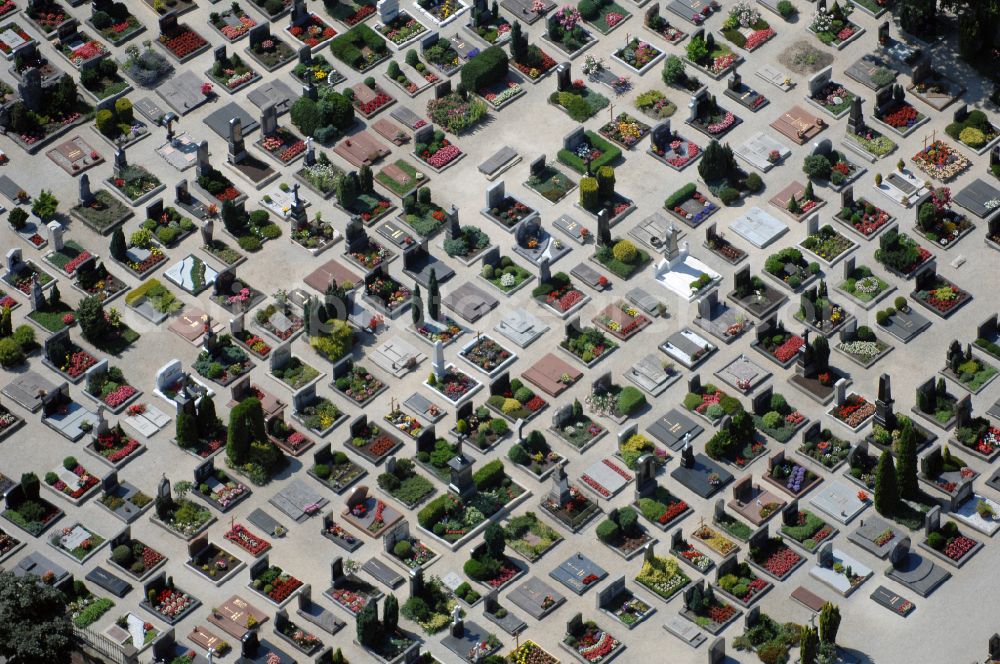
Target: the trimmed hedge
(490, 475)
(347, 47)
(679, 196)
(609, 154)
(485, 69)
(433, 511)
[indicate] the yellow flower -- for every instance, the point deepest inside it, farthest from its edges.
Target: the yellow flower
(320, 75)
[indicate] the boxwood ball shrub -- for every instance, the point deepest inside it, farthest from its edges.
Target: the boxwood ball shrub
(624, 251)
(608, 531)
(754, 183)
(728, 195)
(817, 166)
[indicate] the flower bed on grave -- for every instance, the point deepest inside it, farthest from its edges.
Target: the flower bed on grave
(232, 73)
(183, 517)
(498, 94)
(588, 344)
(592, 643)
(790, 268)
(70, 359)
(938, 222)
(832, 27)
(116, 448)
(558, 293)
(445, 330)
(224, 363)
(5, 48)
(405, 484)
(226, 494)
(338, 472)
(390, 294)
(483, 429)
(712, 403)
(232, 33)
(312, 32)
(638, 54)
(580, 102)
(439, 153)
(47, 15)
(360, 386)
(275, 584)
(246, 540)
(864, 217)
(318, 71)
(622, 320)
(487, 354)
(535, 455)
(111, 388)
(84, 50)
(84, 549)
(901, 116)
(941, 161)
(375, 444)
(283, 144)
(624, 130)
(600, 152)
(456, 114)
(136, 558)
(716, 59)
(940, 294)
(134, 182)
(451, 519)
(453, 385)
(976, 131)
(950, 542)
(182, 41)
(103, 212)
(827, 243)
(743, 585)
(745, 28)
(401, 29)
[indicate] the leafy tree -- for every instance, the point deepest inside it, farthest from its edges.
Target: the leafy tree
(886, 490)
(433, 296)
(906, 468)
(90, 314)
(829, 622)
(305, 115)
(34, 628)
(918, 16)
(118, 247)
(390, 614)
(697, 50)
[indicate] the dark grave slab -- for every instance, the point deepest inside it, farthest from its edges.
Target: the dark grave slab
(472, 634)
(499, 161)
(588, 275)
(808, 599)
(404, 115)
(470, 302)
(510, 623)
(917, 573)
(973, 197)
(422, 406)
(420, 267)
(37, 564)
(9, 188)
(316, 614)
(465, 48)
(531, 596)
(695, 478)
(149, 109)
(895, 603)
(395, 233)
(643, 300)
(577, 573)
(266, 522)
(994, 410)
(25, 388)
(295, 497)
(273, 92)
(869, 529)
(384, 574)
(670, 429)
(862, 70)
(571, 227)
(905, 326)
(108, 581)
(685, 631)
(218, 120)
(182, 93)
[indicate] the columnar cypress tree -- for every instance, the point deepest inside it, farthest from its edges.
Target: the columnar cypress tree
(390, 615)
(6, 328)
(886, 490)
(829, 623)
(186, 431)
(118, 247)
(417, 307)
(433, 297)
(493, 537)
(207, 419)
(367, 624)
(821, 354)
(808, 646)
(906, 469)
(238, 439)
(55, 297)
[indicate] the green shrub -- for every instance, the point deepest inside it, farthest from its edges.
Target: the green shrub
(786, 8)
(608, 531)
(753, 183)
(772, 420)
(588, 193)
(817, 166)
(728, 195)
(475, 570)
(630, 400)
(628, 519)
(673, 70)
(490, 475)
(402, 549)
(936, 541)
(624, 251)
(680, 196)
(485, 69)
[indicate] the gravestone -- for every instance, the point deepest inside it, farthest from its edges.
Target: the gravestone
(572, 140)
(181, 193)
(207, 231)
(462, 482)
(86, 196)
(899, 554)
(309, 91)
(856, 119)
(388, 10)
(37, 297)
(963, 412)
(884, 415)
(259, 33)
(30, 90)
(437, 360)
(121, 162)
(299, 12)
(563, 77)
(735, 82)
(761, 403)
(687, 452)
(645, 476)
(820, 80)
(825, 556)
(544, 273)
(562, 416)
(269, 120)
(442, 89)
(155, 209)
(559, 493)
(168, 24)
(932, 520)
(751, 617)
(608, 594)
(310, 158)
(719, 508)
(424, 134)
(822, 147)
(203, 167)
(281, 355)
(14, 262)
(604, 227)
(237, 324)
(452, 228)
(883, 33)
(495, 195)
(790, 513)
(55, 233)
(537, 166)
(237, 146)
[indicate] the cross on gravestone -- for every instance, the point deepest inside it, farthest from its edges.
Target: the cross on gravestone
(310, 158)
(269, 120)
(86, 196)
(237, 147)
(563, 76)
(203, 167)
(604, 227)
(457, 625)
(55, 233)
(36, 295)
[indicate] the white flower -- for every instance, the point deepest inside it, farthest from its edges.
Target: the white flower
(507, 280)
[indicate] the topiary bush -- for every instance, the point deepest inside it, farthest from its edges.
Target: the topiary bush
(608, 531)
(728, 195)
(402, 549)
(624, 251)
(589, 196)
(817, 166)
(630, 400)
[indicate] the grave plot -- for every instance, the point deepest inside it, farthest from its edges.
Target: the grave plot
(754, 503)
(743, 374)
(236, 617)
(738, 582)
(652, 374)
(903, 187)
(233, 23)
(181, 42)
(705, 54)
(890, 600)
(745, 28)
(893, 111)
(758, 227)
(941, 296)
(722, 247)
(688, 348)
(77, 542)
(212, 562)
(839, 571)
(796, 201)
(837, 501)
(166, 601)
(818, 311)
(689, 554)
(833, 27)
(862, 285)
(805, 528)
(672, 149)
(271, 582)
(867, 220)
(705, 609)
(822, 447)
(369, 514)
(772, 556)
(829, 95)
(309, 29)
(762, 152)
(217, 488)
(75, 156)
(132, 630)
(709, 118)
(798, 125)
(334, 469)
(398, 27)
(536, 245)
(862, 345)
(585, 640)
(743, 94)
(913, 571)
(66, 416)
(938, 222)
(180, 516)
(932, 87)
(23, 274)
